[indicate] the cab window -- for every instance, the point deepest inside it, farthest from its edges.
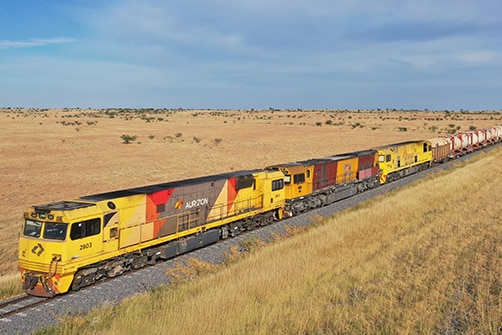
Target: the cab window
(55, 231)
(85, 228)
(32, 228)
(299, 178)
(277, 184)
(287, 179)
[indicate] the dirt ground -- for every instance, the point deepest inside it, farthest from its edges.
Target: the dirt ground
(51, 155)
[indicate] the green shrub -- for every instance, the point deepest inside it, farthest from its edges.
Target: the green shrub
(127, 138)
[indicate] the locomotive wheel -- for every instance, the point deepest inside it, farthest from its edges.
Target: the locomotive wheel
(77, 284)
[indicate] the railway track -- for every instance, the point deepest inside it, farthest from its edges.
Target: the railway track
(19, 304)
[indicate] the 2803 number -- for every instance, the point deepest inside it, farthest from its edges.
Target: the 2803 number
(86, 246)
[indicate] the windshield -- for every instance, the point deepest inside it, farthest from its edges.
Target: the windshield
(32, 228)
(52, 230)
(55, 231)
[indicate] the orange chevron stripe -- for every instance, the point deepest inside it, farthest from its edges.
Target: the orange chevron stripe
(231, 193)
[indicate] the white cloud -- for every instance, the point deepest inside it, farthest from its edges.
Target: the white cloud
(35, 42)
(479, 57)
(161, 25)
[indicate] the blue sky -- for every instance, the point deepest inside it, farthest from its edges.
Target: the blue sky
(320, 54)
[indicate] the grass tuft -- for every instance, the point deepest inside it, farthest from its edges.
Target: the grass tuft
(10, 285)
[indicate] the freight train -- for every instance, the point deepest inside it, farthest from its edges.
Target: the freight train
(67, 245)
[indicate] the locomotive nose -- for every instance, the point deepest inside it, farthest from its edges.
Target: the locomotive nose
(39, 285)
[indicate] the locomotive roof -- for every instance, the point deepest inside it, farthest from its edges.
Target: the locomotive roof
(290, 164)
(162, 186)
(400, 143)
(61, 206)
(357, 153)
(316, 161)
(325, 159)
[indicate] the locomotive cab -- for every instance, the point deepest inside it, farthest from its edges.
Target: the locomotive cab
(297, 179)
(54, 238)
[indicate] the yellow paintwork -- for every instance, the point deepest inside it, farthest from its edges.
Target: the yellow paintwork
(346, 170)
(396, 157)
(297, 189)
(60, 259)
(270, 200)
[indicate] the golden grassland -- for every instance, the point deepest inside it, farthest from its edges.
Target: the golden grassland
(53, 155)
(425, 259)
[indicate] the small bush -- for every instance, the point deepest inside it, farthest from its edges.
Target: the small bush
(127, 138)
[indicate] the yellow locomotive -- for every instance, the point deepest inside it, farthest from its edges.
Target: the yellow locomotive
(402, 159)
(71, 244)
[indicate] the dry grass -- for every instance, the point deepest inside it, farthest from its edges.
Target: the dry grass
(426, 259)
(10, 285)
